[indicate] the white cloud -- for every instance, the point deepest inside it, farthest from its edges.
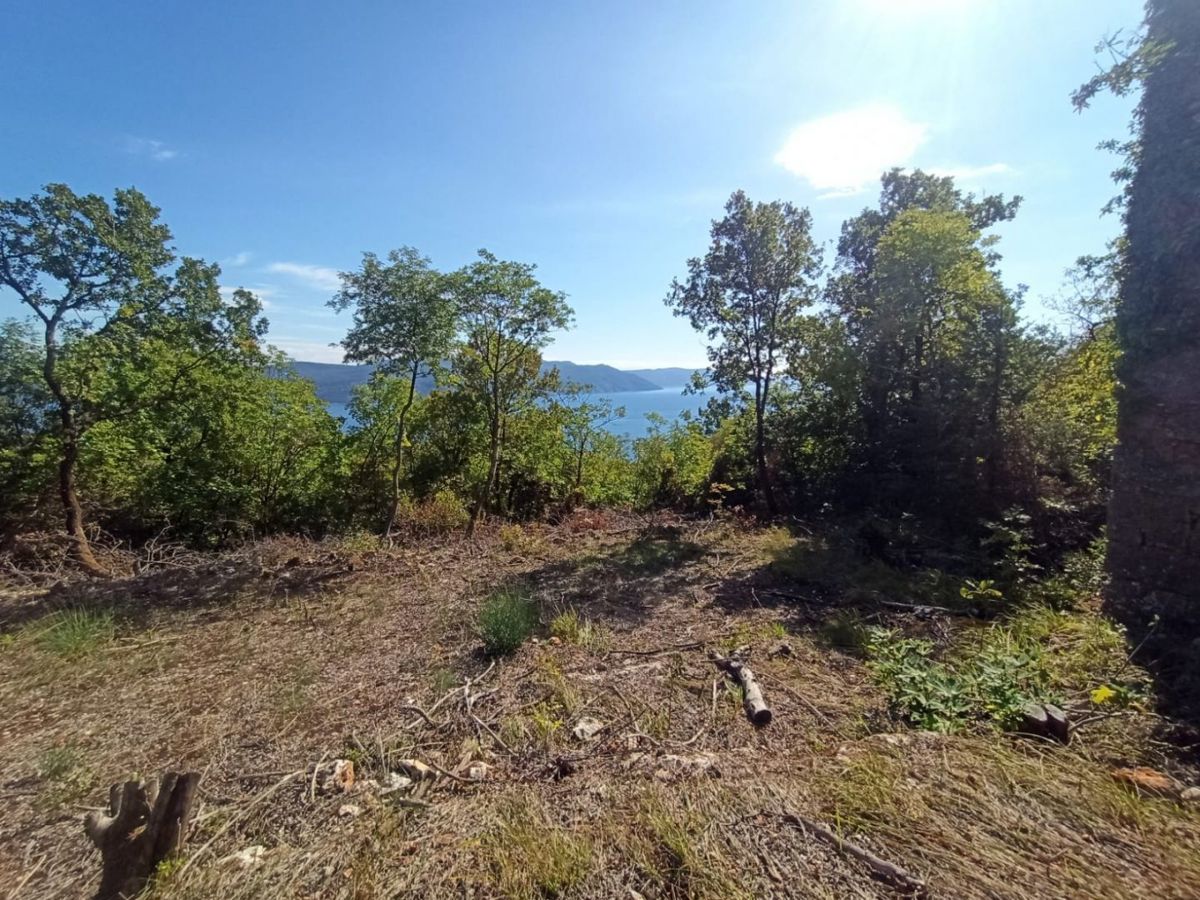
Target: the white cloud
(155, 150)
(322, 278)
(308, 351)
(845, 152)
(968, 173)
(238, 259)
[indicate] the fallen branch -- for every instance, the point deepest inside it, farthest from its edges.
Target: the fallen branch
(756, 707)
(880, 868)
(658, 651)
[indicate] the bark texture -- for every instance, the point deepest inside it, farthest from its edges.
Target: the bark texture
(1154, 515)
(147, 823)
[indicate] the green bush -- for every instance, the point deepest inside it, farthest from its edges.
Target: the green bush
(507, 618)
(989, 681)
(440, 513)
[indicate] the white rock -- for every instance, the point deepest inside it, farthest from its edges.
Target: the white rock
(248, 858)
(349, 809)
(587, 728)
(395, 782)
(1190, 795)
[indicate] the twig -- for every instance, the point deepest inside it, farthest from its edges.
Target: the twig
(312, 789)
(447, 773)
(239, 818)
(796, 695)
(412, 707)
(24, 881)
(693, 645)
(488, 728)
(881, 868)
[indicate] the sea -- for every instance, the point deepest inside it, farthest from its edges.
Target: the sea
(667, 402)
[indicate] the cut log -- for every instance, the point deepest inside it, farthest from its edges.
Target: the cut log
(1045, 720)
(756, 707)
(147, 822)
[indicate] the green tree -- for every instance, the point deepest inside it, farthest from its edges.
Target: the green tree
(244, 451)
(508, 317)
(25, 409)
(746, 295)
(404, 323)
(95, 276)
(585, 422)
(913, 271)
(938, 329)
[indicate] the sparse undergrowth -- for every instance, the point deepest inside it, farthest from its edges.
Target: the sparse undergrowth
(673, 794)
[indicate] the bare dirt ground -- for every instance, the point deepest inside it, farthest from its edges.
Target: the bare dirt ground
(259, 668)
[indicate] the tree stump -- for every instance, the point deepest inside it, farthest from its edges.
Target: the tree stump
(147, 823)
(1046, 720)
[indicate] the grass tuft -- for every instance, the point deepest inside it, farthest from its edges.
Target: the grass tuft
(571, 627)
(75, 632)
(507, 619)
(533, 858)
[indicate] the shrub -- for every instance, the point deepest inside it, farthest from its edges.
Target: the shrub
(507, 618)
(925, 692)
(442, 512)
(991, 679)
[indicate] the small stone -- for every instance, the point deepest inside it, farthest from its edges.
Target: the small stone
(350, 810)
(587, 728)
(395, 782)
(1145, 780)
(340, 778)
(248, 858)
(673, 766)
(1190, 795)
(478, 771)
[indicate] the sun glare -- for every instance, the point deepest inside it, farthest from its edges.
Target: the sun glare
(910, 7)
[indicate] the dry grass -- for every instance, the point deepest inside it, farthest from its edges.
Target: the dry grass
(255, 666)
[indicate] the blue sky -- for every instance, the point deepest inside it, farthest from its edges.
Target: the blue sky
(595, 139)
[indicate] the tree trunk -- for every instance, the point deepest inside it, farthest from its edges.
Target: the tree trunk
(490, 484)
(1154, 514)
(81, 548)
(398, 464)
(760, 448)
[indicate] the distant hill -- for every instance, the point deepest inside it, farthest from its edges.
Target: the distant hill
(604, 379)
(335, 381)
(664, 378)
